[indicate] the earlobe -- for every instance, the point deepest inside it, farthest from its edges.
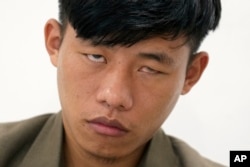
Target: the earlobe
(52, 36)
(195, 70)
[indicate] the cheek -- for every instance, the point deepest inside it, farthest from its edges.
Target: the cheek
(157, 102)
(74, 87)
(158, 109)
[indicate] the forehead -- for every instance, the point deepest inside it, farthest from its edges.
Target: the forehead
(172, 44)
(156, 45)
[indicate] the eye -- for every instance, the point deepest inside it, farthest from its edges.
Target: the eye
(96, 58)
(149, 70)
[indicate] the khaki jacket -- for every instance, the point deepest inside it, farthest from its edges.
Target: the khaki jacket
(37, 142)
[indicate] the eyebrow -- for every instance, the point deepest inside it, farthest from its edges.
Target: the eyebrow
(160, 57)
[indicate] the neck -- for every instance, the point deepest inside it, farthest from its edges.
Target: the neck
(76, 157)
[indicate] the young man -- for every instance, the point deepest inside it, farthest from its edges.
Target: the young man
(122, 66)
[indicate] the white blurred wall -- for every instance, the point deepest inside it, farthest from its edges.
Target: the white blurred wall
(213, 117)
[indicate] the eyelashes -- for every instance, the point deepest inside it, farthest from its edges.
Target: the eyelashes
(96, 58)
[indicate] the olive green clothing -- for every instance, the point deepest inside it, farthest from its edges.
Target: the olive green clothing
(37, 142)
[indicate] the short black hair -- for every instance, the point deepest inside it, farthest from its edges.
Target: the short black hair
(126, 22)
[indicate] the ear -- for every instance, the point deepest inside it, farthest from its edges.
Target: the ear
(195, 70)
(52, 35)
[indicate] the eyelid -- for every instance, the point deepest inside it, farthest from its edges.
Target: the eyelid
(149, 70)
(97, 58)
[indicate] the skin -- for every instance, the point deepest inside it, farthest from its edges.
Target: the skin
(117, 83)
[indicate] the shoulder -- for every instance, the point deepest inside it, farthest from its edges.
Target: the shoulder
(165, 150)
(188, 156)
(22, 128)
(16, 137)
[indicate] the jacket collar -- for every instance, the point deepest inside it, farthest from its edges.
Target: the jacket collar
(47, 148)
(159, 152)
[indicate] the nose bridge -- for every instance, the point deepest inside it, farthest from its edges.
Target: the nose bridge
(115, 89)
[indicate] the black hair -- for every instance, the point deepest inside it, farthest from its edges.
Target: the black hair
(126, 22)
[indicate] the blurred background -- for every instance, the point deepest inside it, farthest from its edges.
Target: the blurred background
(214, 117)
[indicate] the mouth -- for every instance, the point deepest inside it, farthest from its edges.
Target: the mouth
(107, 127)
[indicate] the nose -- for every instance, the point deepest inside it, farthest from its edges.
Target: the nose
(115, 91)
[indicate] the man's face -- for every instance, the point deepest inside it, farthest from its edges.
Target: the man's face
(115, 98)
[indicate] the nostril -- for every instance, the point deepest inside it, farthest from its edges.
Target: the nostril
(121, 108)
(111, 105)
(120, 102)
